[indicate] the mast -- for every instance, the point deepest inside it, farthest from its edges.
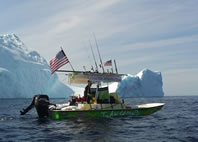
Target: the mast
(99, 53)
(93, 56)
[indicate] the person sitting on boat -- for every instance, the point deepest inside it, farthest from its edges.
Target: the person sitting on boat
(87, 92)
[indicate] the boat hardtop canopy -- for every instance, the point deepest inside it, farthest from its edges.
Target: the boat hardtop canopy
(94, 77)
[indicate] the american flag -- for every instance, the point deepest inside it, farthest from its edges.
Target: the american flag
(58, 61)
(108, 63)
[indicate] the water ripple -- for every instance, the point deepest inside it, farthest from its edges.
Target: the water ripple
(176, 122)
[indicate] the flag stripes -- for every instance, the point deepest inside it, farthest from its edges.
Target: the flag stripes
(108, 63)
(58, 61)
(55, 60)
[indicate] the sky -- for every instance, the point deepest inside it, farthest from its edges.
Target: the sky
(158, 35)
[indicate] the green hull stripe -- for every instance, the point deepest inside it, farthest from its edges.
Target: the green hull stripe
(102, 113)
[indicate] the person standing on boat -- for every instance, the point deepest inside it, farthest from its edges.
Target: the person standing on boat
(87, 92)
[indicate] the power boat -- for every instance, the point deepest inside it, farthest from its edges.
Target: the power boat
(97, 103)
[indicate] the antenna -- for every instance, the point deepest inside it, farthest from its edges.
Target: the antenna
(93, 56)
(98, 53)
(115, 66)
(86, 49)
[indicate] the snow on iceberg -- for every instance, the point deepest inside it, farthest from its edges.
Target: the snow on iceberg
(145, 84)
(24, 73)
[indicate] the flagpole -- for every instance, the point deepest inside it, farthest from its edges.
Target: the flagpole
(68, 59)
(71, 66)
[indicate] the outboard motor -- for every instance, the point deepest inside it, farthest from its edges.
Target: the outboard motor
(41, 103)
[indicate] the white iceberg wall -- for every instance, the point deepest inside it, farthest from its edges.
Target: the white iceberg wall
(145, 84)
(24, 73)
(7, 83)
(151, 83)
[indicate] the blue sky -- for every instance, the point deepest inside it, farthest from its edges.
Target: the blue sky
(159, 35)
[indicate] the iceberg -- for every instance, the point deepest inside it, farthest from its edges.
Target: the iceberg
(145, 84)
(24, 73)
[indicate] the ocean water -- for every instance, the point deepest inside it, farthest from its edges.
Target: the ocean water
(177, 121)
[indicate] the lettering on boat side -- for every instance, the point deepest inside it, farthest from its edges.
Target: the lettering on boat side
(109, 77)
(119, 113)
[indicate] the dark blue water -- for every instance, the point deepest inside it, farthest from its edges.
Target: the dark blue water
(176, 122)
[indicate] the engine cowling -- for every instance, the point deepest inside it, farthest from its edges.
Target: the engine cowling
(42, 105)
